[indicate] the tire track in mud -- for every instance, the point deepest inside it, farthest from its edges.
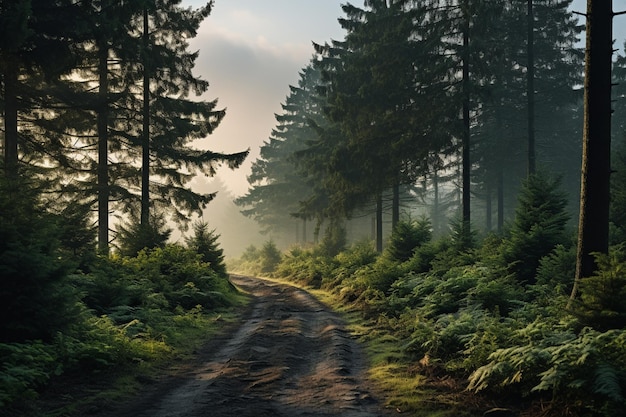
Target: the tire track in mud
(291, 356)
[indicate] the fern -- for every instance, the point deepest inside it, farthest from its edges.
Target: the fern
(589, 366)
(607, 379)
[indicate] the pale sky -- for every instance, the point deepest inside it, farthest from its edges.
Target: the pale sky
(252, 50)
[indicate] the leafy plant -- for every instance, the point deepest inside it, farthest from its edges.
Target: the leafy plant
(35, 300)
(588, 367)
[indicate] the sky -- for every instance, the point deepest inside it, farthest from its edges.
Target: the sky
(250, 51)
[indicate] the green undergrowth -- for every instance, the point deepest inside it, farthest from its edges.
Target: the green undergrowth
(401, 384)
(132, 318)
(466, 324)
(114, 386)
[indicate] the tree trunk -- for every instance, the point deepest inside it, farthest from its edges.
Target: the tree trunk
(145, 139)
(103, 161)
(466, 121)
(379, 223)
(530, 90)
(436, 215)
(11, 158)
(500, 201)
(395, 206)
(488, 209)
(593, 225)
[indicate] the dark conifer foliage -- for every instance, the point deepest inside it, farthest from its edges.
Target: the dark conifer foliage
(538, 227)
(204, 242)
(85, 119)
(33, 300)
(382, 84)
(172, 119)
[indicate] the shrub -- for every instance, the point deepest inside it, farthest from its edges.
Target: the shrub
(135, 236)
(556, 271)
(270, 257)
(35, 300)
(406, 237)
(539, 226)
(248, 263)
(334, 240)
(25, 368)
(601, 303)
(305, 266)
(204, 242)
(585, 369)
(180, 275)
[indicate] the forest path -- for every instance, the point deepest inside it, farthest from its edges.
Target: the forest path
(291, 356)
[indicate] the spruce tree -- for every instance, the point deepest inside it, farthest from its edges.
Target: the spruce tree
(171, 120)
(278, 186)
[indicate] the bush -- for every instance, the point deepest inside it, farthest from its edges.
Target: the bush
(134, 236)
(334, 240)
(35, 300)
(25, 368)
(406, 237)
(305, 267)
(587, 369)
(180, 275)
(270, 257)
(538, 228)
(556, 271)
(204, 242)
(601, 303)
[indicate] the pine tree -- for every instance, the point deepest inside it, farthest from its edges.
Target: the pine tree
(171, 119)
(204, 242)
(538, 227)
(279, 187)
(381, 96)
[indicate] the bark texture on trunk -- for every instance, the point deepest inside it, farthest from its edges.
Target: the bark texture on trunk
(103, 154)
(11, 157)
(593, 226)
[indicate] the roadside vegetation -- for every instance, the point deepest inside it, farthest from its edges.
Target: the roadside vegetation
(465, 323)
(71, 317)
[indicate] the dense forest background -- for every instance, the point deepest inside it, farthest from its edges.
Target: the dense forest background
(433, 157)
(429, 166)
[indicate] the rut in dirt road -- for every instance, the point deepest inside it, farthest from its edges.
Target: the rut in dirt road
(290, 357)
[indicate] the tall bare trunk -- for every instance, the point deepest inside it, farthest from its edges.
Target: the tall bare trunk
(500, 201)
(145, 140)
(530, 90)
(10, 119)
(436, 215)
(466, 120)
(488, 208)
(395, 206)
(103, 157)
(379, 223)
(593, 225)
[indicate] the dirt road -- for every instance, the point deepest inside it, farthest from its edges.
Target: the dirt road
(291, 356)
